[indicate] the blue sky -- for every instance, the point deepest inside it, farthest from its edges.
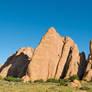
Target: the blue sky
(24, 22)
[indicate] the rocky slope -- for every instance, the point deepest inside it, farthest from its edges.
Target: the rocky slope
(55, 57)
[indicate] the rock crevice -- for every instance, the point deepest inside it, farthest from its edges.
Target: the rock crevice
(88, 72)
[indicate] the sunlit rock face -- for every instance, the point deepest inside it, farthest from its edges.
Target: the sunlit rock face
(0, 65)
(88, 72)
(55, 57)
(16, 65)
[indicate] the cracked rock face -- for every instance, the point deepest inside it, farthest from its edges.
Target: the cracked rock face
(54, 57)
(46, 56)
(16, 65)
(0, 65)
(88, 72)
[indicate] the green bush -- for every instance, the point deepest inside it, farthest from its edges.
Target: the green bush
(53, 80)
(67, 80)
(72, 78)
(63, 82)
(84, 88)
(13, 79)
(38, 81)
(30, 81)
(1, 78)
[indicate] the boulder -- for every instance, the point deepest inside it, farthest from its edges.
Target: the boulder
(75, 83)
(16, 65)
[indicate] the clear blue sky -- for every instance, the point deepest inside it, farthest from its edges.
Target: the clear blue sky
(24, 22)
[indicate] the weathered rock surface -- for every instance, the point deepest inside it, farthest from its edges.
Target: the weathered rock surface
(74, 61)
(46, 56)
(82, 65)
(16, 65)
(88, 73)
(0, 65)
(75, 83)
(54, 57)
(64, 56)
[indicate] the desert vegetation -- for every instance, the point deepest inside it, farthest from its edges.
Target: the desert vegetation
(13, 84)
(13, 79)
(39, 86)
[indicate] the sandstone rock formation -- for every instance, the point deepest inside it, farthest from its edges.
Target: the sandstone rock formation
(88, 73)
(46, 56)
(82, 66)
(55, 57)
(16, 65)
(75, 83)
(0, 65)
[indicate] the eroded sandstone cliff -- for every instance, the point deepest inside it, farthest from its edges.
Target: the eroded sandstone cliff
(88, 72)
(16, 65)
(55, 57)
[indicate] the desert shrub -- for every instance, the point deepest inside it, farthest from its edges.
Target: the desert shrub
(72, 78)
(1, 78)
(67, 80)
(63, 82)
(84, 88)
(30, 81)
(39, 81)
(91, 80)
(53, 80)
(13, 79)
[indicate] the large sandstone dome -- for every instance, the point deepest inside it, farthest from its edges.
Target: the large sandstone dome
(55, 57)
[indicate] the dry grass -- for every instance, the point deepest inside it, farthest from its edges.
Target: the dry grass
(38, 87)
